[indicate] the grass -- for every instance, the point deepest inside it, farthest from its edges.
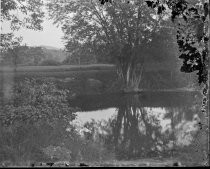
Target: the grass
(148, 66)
(58, 68)
(75, 78)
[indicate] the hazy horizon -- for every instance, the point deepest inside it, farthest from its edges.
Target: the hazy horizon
(49, 36)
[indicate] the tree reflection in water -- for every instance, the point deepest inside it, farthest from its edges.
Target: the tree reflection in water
(140, 132)
(135, 134)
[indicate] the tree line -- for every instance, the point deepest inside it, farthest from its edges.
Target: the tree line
(32, 56)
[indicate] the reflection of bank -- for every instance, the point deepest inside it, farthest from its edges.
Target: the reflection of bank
(133, 131)
(145, 99)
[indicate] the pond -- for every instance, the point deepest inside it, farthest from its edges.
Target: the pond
(146, 125)
(113, 128)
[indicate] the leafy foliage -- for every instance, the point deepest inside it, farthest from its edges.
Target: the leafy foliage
(33, 101)
(30, 10)
(20, 14)
(8, 41)
(80, 54)
(192, 35)
(23, 55)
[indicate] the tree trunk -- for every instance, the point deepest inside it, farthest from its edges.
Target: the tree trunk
(131, 75)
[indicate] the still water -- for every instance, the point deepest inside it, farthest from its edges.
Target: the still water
(149, 125)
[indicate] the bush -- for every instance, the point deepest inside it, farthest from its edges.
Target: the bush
(33, 127)
(50, 62)
(34, 100)
(37, 116)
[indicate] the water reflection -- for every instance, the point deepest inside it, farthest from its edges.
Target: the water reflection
(130, 130)
(135, 131)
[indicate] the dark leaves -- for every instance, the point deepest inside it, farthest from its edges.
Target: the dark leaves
(104, 1)
(206, 9)
(192, 55)
(178, 9)
(150, 4)
(194, 10)
(160, 9)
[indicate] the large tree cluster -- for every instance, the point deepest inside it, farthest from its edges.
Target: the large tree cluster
(121, 32)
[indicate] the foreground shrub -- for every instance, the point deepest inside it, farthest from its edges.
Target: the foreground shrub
(35, 127)
(33, 100)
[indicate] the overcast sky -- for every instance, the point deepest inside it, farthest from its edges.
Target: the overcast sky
(50, 36)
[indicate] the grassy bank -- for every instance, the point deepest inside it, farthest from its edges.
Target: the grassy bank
(94, 79)
(57, 68)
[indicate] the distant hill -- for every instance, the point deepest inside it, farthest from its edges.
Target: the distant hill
(50, 47)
